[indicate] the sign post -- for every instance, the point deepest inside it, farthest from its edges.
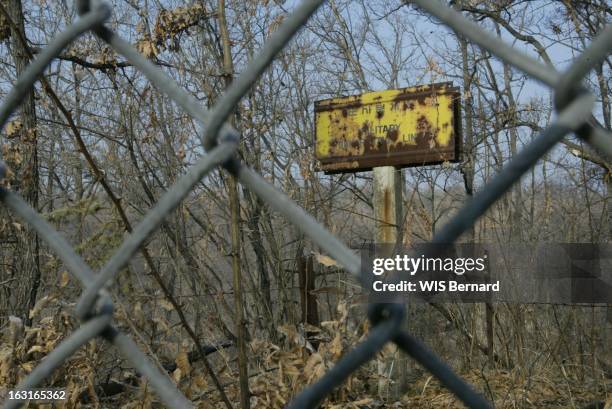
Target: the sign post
(385, 131)
(387, 203)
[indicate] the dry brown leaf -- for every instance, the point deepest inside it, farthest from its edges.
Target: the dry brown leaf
(315, 367)
(200, 382)
(12, 128)
(335, 347)
(291, 333)
(35, 348)
(325, 260)
(27, 366)
(64, 279)
(276, 22)
(182, 362)
(161, 324)
(40, 304)
(177, 375)
(147, 48)
(166, 305)
(343, 311)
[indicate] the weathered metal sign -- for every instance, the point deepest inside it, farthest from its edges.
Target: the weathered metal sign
(407, 127)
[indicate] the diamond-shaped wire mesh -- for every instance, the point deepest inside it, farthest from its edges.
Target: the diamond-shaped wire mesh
(95, 307)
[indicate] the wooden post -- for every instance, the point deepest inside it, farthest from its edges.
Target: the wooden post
(387, 204)
(388, 213)
(308, 300)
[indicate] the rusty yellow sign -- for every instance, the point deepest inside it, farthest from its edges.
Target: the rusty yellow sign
(405, 127)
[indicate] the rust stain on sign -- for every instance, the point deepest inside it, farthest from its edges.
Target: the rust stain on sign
(406, 127)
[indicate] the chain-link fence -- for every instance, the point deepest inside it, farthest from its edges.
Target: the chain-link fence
(95, 308)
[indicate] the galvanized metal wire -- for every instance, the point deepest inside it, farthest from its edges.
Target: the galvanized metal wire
(220, 140)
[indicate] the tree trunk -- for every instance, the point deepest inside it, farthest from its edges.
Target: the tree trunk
(228, 69)
(468, 150)
(26, 256)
